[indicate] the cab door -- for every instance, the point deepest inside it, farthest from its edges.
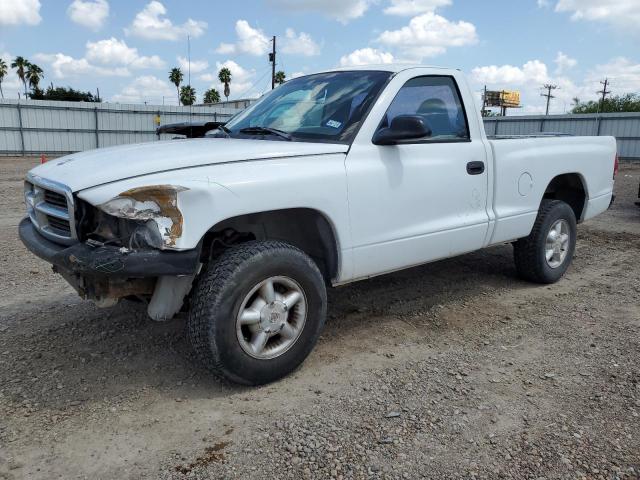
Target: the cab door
(422, 199)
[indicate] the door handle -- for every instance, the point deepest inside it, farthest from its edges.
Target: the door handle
(475, 168)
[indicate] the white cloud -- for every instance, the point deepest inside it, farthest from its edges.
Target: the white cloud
(91, 14)
(151, 23)
(623, 75)
(428, 35)
(509, 77)
(530, 78)
(414, 7)
(617, 12)
(20, 12)
(564, 62)
(208, 77)
(366, 56)
(65, 66)
(109, 57)
(341, 10)
(116, 52)
(197, 66)
(299, 44)
(250, 40)
(532, 71)
(147, 89)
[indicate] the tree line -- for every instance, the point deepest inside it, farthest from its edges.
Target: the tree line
(614, 104)
(187, 94)
(31, 74)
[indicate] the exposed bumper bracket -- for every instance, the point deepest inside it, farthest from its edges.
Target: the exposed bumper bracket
(109, 261)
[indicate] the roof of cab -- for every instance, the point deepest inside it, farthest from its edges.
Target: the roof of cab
(387, 67)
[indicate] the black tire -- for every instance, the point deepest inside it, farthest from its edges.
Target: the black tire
(529, 252)
(218, 296)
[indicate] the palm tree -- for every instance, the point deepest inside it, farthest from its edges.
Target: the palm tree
(211, 96)
(224, 75)
(188, 95)
(21, 65)
(3, 73)
(175, 77)
(34, 75)
(280, 77)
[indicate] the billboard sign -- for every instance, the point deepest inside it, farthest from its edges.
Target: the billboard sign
(504, 98)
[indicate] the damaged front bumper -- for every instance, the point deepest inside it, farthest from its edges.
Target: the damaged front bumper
(109, 261)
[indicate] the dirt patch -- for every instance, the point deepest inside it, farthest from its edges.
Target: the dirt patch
(452, 370)
(211, 455)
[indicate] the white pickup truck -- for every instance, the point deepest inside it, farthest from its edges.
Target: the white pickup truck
(330, 178)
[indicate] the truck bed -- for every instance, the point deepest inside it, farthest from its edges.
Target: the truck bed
(524, 165)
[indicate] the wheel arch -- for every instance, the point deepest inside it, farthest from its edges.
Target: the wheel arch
(570, 188)
(308, 229)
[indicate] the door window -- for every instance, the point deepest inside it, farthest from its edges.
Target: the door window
(437, 101)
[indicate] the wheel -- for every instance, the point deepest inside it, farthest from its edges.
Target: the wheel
(257, 312)
(545, 255)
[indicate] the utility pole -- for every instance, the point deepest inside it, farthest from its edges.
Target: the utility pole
(272, 59)
(548, 87)
(484, 102)
(604, 92)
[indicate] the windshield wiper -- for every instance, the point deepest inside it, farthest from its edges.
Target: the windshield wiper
(266, 131)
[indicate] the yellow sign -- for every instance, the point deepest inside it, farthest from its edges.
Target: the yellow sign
(511, 98)
(503, 98)
(157, 119)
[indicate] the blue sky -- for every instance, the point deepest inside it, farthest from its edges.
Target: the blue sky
(125, 48)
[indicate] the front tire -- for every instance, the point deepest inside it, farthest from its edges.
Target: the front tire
(545, 255)
(257, 312)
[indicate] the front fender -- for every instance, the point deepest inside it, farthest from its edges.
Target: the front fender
(211, 194)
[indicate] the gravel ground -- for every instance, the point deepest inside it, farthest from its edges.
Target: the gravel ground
(452, 370)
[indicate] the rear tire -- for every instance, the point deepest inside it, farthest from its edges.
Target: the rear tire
(257, 312)
(545, 255)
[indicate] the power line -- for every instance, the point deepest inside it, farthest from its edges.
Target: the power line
(548, 87)
(248, 89)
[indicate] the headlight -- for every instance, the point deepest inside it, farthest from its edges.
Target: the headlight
(156, 207)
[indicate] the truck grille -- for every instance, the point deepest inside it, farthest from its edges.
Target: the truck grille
(50, 208)
(61, 226)
(56, 199)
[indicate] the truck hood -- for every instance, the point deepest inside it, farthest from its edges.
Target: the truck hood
(97, 167)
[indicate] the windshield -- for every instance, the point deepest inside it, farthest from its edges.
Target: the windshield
(327, 107)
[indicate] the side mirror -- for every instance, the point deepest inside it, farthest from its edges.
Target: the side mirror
(403, 127)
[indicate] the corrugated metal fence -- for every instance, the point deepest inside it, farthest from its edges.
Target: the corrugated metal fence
(33, 127)
(624, 126)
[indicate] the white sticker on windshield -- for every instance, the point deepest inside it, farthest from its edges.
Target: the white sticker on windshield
(334, 124)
